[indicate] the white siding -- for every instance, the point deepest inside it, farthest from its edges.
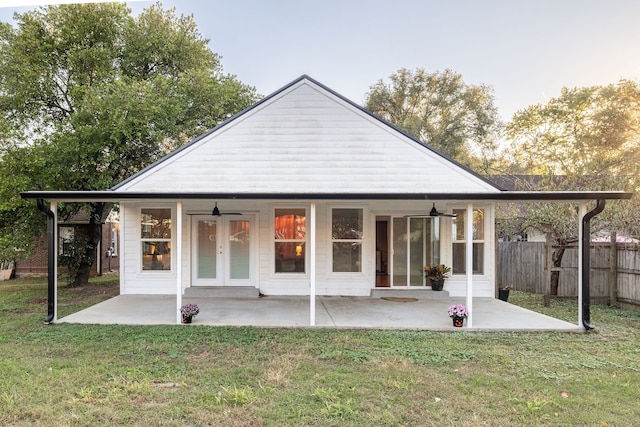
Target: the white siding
(306, 140)
(136, 281)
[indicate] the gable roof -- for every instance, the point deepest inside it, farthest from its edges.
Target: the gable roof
(306, 138)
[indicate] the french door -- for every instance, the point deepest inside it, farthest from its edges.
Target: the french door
(414, 244)
(221, 250)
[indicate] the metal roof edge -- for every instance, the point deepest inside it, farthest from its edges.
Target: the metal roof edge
(109, 195)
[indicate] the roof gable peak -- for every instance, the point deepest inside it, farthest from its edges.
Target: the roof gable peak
(332, 126)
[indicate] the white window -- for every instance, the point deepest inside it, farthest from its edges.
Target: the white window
(290, 234)
(346, 239)
(65, 240)
(155, 226)
(113, 247)
(460, 244)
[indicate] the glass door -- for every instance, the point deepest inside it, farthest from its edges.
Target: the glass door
(239, 250)
(221, 252)
(415, 243)
(206, 251)
(399, 276)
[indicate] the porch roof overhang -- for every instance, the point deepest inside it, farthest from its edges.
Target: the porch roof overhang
(504, 196)
(501, 196)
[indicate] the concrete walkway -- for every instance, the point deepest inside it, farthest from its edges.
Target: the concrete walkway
(331, 312)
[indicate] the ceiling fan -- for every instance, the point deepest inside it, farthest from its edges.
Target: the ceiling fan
(433, 213)
(216, 212)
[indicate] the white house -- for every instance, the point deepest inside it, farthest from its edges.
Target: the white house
(304, 144)
(306, 193)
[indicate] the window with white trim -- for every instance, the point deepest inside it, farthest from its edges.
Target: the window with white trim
(155, 239)
(65, 240)
(460, 244)
(114, 242)
(290, 234)
(346, 239)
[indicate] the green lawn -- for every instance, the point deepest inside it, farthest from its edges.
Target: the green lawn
(197, 375)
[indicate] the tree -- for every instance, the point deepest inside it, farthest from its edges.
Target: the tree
(585, 139)
(454, 117)
(19, 221)
(91, 95)
(591, 136)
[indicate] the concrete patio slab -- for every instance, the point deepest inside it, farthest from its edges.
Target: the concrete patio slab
(331, 312)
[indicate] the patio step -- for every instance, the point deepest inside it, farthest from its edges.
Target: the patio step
(222, 292)
(410, 293)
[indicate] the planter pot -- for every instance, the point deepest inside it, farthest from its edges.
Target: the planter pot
(503, 294)
(436, 285)
(458, 321)
(186, 319)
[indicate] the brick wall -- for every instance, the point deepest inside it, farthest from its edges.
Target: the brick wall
(36, 264)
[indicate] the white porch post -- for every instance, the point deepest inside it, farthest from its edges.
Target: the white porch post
(312, 266)
(54, 209)
(581, 214)
(178, 260)
(469, 262)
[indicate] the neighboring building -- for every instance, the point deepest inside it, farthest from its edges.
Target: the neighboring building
(108, 261)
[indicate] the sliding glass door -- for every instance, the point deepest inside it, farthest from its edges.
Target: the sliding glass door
(415, 243)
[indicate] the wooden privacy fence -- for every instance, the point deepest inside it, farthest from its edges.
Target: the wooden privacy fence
(615, 271)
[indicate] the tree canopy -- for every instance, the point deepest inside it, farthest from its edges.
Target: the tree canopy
(590, 136)
(454, 117)
(90, 94)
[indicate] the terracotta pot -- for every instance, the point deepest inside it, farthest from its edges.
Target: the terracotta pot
(186, 319)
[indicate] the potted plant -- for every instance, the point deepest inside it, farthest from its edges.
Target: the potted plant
(188, 312)
(503, 293)
(436, 274)
(458, 313)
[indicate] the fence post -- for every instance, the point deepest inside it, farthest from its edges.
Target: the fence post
(549, 258)
(613, 270)
(498, 272)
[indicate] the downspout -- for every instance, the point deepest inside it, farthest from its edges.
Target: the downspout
(51, 262)
(586, 263)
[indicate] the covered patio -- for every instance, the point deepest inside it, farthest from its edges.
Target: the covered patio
(331, 312)
(485, 313)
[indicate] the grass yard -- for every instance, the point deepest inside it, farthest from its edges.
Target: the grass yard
(80, 375)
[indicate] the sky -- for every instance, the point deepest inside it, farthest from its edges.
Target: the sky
(526, 50)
